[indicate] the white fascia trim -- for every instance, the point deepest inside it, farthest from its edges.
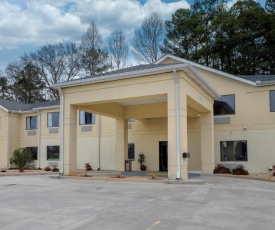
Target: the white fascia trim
(6, 110)
(119, 76)
(198, 78)
(205, 85)
(207, 68)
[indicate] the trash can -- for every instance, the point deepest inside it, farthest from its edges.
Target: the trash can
(128, 165)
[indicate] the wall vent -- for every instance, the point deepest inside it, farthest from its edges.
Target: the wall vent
(53, 130)
(31, 133)
(222, 120)
(53, 164)
(86, 128)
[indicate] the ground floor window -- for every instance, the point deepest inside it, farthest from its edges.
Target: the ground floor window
(52, 153)
(131, 151)
(233, 150)
(33, 151)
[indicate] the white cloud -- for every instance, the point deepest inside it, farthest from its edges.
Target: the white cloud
(39, 22)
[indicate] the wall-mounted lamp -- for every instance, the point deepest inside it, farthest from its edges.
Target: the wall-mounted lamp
(244, 127)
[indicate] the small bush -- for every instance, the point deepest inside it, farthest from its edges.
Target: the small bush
(88, 167)
(153, 175)
(3, 170)
(21, 158)
(118, 175)
(55, 169)
(220, 168)
(47, 169)
(240, 170)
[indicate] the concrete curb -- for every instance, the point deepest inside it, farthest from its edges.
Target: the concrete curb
(107, 179)
(190, 182)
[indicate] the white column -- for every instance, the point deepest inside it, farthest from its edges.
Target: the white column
(207, 143)
(70, 140)
(121, 143)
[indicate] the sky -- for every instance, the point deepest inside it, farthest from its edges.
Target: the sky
(26, 25)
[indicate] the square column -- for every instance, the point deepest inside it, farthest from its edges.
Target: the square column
(121, 143)
(207, 143)
(172, 137)
(70, 140)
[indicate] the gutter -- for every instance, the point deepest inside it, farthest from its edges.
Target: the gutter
(177, 121)
(99, 140)
(9, 139)
(61, 118)
(39, 138)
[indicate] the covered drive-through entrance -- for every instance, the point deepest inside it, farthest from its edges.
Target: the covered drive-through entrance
(175, 92)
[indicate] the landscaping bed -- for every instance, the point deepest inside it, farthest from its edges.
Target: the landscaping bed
(26, 172)
(255, 176)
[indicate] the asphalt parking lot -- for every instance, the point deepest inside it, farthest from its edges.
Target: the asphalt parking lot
(38, 202)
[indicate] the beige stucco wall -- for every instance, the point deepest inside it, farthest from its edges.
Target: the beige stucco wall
(146, 136)
(118, 98)
(252, 121)
(4, 120)
(194, 144)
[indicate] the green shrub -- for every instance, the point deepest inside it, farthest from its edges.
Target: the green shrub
(220, 168)
(239, 170)
(20, 158)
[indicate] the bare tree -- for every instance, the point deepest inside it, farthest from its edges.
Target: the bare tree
(118, 48)
(148, 38)
(94, 59)
(58, 62)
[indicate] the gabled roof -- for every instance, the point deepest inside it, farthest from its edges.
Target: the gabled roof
(142, 71)
(14, 106)
(255, 80)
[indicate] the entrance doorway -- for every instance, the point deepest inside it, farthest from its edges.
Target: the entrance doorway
(163, 156)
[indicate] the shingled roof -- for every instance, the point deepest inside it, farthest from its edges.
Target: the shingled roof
(255, 78)
(21, 107)
(126, 70)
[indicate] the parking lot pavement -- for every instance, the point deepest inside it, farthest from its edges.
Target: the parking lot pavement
(38, 202)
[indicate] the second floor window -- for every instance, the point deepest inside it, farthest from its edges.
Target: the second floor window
(53, 119)
(225, 105)
(86, 118)
(31, 122)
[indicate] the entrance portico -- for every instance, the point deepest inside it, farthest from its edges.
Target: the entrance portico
(175, 92)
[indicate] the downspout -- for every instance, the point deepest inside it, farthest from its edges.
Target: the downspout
(9, 139)
(61, 121)
(99, 140)
(177, 122)
(39, 138)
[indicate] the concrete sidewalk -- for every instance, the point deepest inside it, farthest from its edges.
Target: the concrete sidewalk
(38, 202)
